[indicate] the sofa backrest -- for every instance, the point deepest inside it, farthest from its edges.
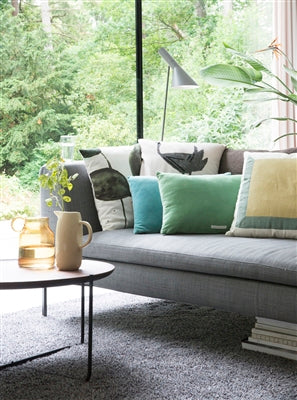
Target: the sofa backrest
(232, 160)
(82, 193)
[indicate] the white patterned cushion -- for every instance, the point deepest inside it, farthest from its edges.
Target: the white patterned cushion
(184, 158)
(108, 169)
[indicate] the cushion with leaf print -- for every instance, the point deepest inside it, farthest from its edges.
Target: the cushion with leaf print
(108, 169)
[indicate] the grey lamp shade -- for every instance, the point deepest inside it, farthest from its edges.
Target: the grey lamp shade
(180, 79)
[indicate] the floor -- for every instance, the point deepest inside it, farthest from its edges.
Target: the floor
(16, 300)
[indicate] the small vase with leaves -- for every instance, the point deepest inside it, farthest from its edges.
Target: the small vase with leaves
(69, 228)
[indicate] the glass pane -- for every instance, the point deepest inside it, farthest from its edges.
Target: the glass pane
(193, 32)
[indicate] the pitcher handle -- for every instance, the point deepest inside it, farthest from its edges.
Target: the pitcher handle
(90, 233)
(16, 229)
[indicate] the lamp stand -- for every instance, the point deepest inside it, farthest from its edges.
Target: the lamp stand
(165, 104)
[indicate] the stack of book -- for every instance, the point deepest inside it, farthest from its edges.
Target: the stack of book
(273, 337)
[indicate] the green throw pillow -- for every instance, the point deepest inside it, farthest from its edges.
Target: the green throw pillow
(197, 204)
(147, 206)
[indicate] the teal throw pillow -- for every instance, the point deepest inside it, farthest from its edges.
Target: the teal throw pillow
(147, 206)
(197, 204)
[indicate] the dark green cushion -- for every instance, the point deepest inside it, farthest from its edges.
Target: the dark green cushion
(197, 204)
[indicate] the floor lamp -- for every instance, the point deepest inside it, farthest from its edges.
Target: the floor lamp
(180, 79)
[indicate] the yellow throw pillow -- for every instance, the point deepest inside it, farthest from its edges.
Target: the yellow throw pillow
(267, 199)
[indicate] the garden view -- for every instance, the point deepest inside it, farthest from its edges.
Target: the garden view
(68, 67)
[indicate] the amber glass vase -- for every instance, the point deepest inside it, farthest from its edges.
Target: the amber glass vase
(36, 242)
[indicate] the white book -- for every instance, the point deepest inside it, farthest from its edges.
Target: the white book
(277, 323)
(269, 350)
(274, 340)
(273, 344)
(271, 328)
(275, 335)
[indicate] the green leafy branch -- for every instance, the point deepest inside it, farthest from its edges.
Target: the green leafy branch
(57, 181)
(252, 79)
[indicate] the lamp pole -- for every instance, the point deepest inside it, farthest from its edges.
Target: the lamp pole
(165, 103)
(180, 79)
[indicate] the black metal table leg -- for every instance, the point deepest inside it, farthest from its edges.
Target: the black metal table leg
(92, 270)
(82, 327)
(44, 302)
(90, 341)
(82, 331)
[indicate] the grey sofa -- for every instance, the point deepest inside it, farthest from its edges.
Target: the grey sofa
(256, 277)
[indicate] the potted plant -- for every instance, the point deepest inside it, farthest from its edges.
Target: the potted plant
(58, 182)
(69, 232)
(253, 78)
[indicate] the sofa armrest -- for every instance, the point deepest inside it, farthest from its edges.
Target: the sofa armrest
(82, 199)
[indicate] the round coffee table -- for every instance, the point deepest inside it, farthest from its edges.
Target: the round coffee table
(14, 277)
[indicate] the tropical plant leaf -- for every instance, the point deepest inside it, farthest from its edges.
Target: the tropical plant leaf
(251, 80)
(285, 135)
(262, 100)
(294, 83)
(257, 124)
(230, 75)
(260, 90)
(293, 75)
(281, 96)
(253, 62)
(293, 98)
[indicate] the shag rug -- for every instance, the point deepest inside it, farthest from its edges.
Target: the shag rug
(144, 349)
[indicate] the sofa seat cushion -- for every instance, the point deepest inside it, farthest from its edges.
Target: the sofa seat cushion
(262, 259)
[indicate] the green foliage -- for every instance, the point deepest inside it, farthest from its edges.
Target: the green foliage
(223, 121)
(254, 79)
(96, 132)
(58, 182)
(85, 83)
(28, 175)
(34, 90)
(15, 200)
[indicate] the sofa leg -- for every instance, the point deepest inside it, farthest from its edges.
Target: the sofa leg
(274, 337)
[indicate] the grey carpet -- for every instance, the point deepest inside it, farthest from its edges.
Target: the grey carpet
(144, 349)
